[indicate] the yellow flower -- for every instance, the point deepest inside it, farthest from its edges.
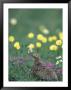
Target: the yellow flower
(11, 38)
(39, 37)
(30, 35)
(45, 31)
(54, 37)
(44, 39)
(50, 39)
(30, 46)
(13, 21)
(58, 42)
(38, 44)
(53, 47)
(17, 45)
(61, 35)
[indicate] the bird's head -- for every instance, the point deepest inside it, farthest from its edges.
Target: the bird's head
(35, 56)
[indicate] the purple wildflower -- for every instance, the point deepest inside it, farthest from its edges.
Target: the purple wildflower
(50, 65)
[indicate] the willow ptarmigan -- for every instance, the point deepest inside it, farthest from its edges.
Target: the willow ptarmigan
(42, 71)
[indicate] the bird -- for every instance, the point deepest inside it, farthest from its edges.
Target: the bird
(41, 70)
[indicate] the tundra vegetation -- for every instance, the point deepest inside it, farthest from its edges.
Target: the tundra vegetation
(35, 45)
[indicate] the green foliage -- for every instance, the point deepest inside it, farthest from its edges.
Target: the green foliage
(21, 72)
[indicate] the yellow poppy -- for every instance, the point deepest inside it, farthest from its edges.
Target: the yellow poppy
(61, 35)
(44, 39)
(53, 47)
(13, 21)
(17, 45)
(39, 37)
(58, 42)
(31, 46)
(45, 31)
(38, 44)
(50, 39)
(31, 35)
(11, 38)
(54, 37)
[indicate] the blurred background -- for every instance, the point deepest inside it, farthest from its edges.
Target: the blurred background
(30, 19)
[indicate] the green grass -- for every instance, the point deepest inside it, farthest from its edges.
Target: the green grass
(29, 20)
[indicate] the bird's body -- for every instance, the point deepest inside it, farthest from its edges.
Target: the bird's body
(40, 69)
